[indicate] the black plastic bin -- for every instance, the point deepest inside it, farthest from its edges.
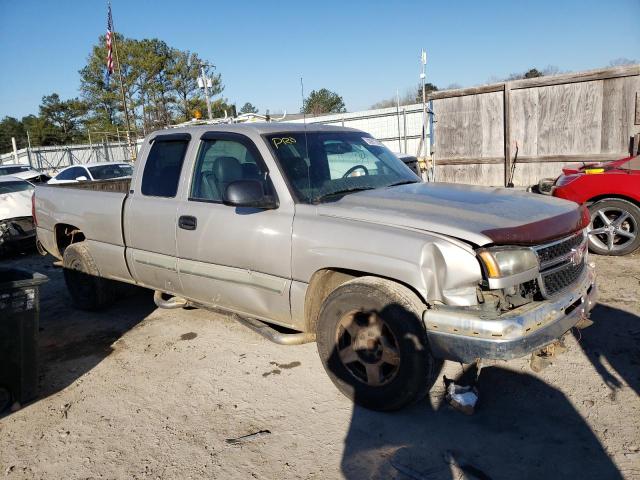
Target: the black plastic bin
(19, 320)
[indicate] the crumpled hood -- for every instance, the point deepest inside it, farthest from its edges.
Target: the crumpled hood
(480, 215)
(17, 204)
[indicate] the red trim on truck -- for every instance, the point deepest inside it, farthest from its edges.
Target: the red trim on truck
(542, 231)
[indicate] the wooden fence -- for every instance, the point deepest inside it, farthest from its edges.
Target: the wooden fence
(540, 123)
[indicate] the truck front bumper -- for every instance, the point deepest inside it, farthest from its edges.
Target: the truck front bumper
(464, 335)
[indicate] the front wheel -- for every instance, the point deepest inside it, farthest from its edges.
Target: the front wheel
(614, 227)
(373, 344)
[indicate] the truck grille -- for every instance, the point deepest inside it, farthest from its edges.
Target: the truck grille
(561, 263)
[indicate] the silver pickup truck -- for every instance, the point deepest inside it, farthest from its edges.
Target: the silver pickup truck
(321, 233)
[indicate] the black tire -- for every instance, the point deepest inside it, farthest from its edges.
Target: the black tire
(88, 290)
(624, 237)
(399, 310)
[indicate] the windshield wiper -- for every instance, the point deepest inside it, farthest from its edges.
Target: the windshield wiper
(341, 192)
(403, 182)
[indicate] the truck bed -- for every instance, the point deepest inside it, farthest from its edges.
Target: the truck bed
(95, 208)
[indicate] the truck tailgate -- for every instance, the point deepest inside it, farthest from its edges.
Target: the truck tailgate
(95, 208)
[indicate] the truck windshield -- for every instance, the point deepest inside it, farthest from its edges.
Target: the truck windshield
(321, 165)
(14, 186)
(105, 172)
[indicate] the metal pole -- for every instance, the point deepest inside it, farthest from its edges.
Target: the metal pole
(123, 149)
(15, 150)
(404, 121)
(206, 91)
(124, 98)
(432, 140)
(29, 149)
(423, 76)
(90, 145)
(398, 118)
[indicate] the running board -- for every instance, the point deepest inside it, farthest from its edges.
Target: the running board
(272, 334)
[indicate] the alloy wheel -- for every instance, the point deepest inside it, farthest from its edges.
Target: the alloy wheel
(367, 348)
(612, 229)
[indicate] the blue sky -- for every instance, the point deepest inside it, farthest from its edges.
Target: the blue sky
(364, 50)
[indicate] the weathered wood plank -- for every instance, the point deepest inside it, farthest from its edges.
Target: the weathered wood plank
(567, 78)
(491, 120)
(524, 121)
(616, 115)
(589, 157)
(586, 76)
(507, 133)
(570, 118)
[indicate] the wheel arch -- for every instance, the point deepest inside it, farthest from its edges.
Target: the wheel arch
(66, 234)
(326, 280)
(612, 196)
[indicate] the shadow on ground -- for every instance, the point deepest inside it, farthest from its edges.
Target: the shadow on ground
(538, 432)
(614, 338)
(71, 341)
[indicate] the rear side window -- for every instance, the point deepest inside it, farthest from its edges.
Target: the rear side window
(162, 170)
(72, 174)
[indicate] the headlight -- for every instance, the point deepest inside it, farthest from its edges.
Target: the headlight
(564, 180)
(514, 265)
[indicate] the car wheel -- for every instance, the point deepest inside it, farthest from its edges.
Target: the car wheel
(88, 290)
(614, 227)
(373, 344)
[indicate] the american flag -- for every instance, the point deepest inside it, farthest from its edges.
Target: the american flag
(109, 47)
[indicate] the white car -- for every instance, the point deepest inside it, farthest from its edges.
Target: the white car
(90, 172)
(16, 221)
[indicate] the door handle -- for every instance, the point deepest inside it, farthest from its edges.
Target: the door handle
(187, 222)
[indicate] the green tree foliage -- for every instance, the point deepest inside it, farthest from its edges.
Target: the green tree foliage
(63, 119)
(11, 127)
(160, 84)
(323, 101)
(248, 108)
(533, 73)
(428, 88)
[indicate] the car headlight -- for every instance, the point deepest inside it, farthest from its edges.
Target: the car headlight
(506, 266)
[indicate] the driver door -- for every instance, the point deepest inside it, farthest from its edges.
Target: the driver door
(232, 257)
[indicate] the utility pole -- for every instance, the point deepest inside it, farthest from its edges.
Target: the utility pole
(423, 76)
(124, 97)
(205, 82)
(398, 118)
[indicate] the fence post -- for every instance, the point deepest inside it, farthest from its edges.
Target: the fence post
(507, 133)
(404, 121)
(106, 151)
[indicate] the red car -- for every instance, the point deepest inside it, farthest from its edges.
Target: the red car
(611, 190)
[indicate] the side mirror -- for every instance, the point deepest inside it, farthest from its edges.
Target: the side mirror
(82, 178)
(248, 193)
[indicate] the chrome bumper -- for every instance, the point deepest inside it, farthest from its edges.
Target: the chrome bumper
(463, 335)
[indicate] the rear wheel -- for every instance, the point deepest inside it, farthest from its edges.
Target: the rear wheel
(614, 227)
(373, 344)
(88, 290)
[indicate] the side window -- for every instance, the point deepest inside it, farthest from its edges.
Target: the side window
(221, 162)
(71, 174)
(162, 170)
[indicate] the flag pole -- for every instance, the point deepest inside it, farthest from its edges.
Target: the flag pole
(124, 98)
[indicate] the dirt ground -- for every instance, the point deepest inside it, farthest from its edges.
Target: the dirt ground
(137, 392)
